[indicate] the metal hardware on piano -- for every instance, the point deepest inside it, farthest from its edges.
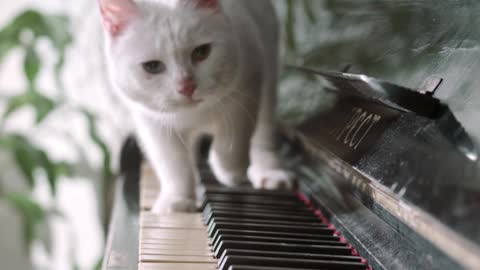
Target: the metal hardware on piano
(388, 174)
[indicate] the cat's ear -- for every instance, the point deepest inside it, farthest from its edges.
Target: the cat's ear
(117, 14)
(210, 4)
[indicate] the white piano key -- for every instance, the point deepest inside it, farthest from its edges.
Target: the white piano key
(176, 252)
(174, 242)
(177, 266)
(176, 259)
(172, 225)
(183, 216)
(181, 221)
(170, 242)
(179, 234)
(152, 248)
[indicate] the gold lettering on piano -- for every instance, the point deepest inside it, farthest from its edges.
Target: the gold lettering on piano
(357, 127)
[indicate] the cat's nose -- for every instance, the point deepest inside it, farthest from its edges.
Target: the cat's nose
(187, 87)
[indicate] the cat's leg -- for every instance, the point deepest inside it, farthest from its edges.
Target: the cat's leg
(174, 168)
(229, 155)
(266, 171)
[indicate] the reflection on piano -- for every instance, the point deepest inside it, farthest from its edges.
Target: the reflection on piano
(384, 176)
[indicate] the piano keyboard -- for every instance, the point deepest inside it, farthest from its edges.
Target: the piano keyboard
(241, 229)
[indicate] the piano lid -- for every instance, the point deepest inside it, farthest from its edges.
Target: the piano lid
(401, 150)
(411, 122)
(409, 43)
(401, 99)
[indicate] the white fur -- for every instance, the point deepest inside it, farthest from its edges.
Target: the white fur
(237, 84)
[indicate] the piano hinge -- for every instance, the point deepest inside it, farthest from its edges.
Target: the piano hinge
(430, 85)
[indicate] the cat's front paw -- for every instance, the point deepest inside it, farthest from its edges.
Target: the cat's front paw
(271, 178)
(168, 205)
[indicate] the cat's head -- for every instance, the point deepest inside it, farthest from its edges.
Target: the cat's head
(169, 56)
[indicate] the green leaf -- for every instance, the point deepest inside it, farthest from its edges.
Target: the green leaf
(53, 28)
(290, 25)
(31, 213)
(8, 40)
(50, 170)
(25, 159)
(58, 31)
(63, 169)
(92, 130)
(31, 66)
(25, 155)
(15, 103)
(30, 158)
(53, 170)
(41, 104)
(58, 70)
(309, 11)
(98, 265)
(6, 45)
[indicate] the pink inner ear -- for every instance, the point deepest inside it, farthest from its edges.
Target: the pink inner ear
(116, 14)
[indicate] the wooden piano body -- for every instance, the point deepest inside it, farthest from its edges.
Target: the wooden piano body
(389, 164)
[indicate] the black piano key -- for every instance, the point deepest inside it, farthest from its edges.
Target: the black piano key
(267, 246)
(253, 197)
(285, 255)
(265, 221)
(268, 228)
(248, 198)
(289, 263)
(251, 201)
(259, 230)
(245, 267)
(220, 232)
(263, 216)
(229, 237)
(254, 200)
(287, 211)
(249, 191)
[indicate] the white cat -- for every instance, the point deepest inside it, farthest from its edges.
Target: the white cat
(190, 67)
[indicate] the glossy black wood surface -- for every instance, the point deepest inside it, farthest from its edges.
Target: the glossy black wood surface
(404, 44)
(123, 238)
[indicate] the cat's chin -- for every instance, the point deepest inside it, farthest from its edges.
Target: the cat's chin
(177, 108)
(178, 117)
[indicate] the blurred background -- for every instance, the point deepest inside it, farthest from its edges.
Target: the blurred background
(61, 128)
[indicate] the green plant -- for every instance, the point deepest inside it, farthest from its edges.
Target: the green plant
(23, 34)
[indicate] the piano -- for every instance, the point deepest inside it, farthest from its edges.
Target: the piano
(387, 165)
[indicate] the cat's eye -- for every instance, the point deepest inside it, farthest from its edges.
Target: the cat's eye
(154, 67)
(201, 53)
